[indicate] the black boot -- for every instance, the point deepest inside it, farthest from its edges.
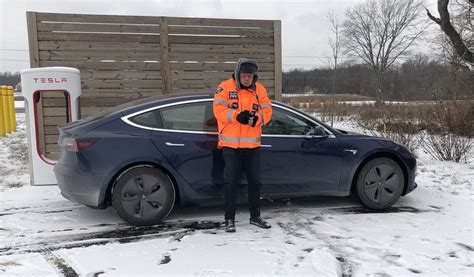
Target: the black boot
(229, 226)
(258, 221)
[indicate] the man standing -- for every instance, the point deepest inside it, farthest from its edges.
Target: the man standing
(242, 107)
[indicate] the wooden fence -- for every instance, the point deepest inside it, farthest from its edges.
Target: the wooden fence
(122, 58)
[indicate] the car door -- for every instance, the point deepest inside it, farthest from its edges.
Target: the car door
(299, 156)
(188, 140)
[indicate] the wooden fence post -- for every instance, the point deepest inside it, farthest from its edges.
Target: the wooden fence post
(165, 56)
(33, 39)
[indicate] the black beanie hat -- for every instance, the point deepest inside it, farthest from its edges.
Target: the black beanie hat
(248, 68)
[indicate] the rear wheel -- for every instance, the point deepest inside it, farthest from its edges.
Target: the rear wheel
(380, 183)
(143, 196)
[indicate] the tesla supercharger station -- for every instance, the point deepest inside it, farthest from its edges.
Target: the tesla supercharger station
(62, 82)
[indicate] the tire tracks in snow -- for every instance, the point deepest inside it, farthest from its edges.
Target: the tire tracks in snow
(302, 228)
(121, 233)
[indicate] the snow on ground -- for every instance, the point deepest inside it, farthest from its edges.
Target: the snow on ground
(19, 104)
(428, 233)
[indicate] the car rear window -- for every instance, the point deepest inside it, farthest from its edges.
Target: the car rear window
(148, 119)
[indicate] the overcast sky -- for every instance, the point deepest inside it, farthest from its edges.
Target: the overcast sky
(305, 29)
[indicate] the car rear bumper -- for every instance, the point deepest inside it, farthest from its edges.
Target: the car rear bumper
(81, 187)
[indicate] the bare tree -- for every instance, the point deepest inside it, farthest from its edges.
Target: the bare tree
(335, 45)
(381, 31)
(461, 39)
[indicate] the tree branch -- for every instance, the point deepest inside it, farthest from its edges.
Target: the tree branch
(446, 26)
(435, 19)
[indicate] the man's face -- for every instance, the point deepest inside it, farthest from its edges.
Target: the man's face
(246, 79)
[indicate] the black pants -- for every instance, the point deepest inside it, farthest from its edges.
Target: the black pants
(238, 161)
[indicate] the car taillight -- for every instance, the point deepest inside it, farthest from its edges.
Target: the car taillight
(75, 145)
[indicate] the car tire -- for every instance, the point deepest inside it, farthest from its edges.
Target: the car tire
(380, 183)
(143, 196)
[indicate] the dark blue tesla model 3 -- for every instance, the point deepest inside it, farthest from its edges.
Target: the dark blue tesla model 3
(147, 156)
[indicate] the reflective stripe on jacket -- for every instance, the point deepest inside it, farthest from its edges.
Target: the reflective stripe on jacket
(229, 102)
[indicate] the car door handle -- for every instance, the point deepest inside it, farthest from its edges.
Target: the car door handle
(174, 144)
(351, 151)
(266, 145)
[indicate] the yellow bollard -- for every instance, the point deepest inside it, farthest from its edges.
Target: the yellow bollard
(2, 116)
(12, 109)
(6, 110)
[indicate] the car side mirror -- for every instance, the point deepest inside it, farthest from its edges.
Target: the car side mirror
(319, 132)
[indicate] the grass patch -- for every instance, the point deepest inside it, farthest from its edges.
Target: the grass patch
(9, 263)
(15, 184)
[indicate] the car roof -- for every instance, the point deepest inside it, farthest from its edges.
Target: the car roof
(158, 100)
(144, 103)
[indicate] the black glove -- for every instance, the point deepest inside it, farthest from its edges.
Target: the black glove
(253, 119)
(243, 117)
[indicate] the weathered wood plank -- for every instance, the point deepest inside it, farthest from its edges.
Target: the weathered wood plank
(93, 83)
(220, 31)
(206, 66)
(220, 40)
(200, 75)
(124, 92)
(55, 111)
(93, 46)
(278, 59)
(220, 22)
(54, 102)
(33, 39)
(92, 18)
(98, 37)
(105, 101)
(54, 120)
(120, 74)
(204, 91)
(58, 112)
(52, 147)
(92, 111)
(209, 48)
(130, 55)
(51, 139)
(51, 130)
(106, 65)
(99, 28)
(208, 83)
(218, 57)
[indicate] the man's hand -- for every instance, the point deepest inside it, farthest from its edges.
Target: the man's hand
(253, 120)
(243, 117)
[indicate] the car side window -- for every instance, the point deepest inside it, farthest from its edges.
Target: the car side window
(287, 123)
(189, 117)
(149, 119)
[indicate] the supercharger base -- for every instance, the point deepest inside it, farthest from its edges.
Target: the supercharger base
(61, 82)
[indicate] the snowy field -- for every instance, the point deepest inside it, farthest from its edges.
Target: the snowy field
(428, 233)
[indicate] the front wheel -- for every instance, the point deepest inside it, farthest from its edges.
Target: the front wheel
(380, 183)
(143, 196)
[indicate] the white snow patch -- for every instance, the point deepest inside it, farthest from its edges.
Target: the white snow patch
(429, 232)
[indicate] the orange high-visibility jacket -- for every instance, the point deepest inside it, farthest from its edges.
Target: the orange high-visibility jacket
(229, 101)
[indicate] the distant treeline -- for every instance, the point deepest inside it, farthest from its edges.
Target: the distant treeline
(9, 79)
(415, 79)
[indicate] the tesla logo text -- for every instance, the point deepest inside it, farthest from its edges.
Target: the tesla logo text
(51, 80)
